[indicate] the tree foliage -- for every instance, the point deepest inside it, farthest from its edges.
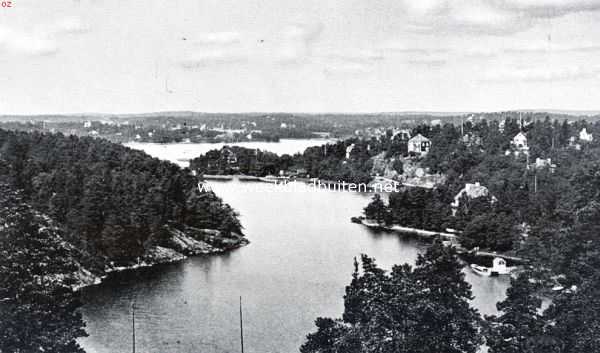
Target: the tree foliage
(424, 309)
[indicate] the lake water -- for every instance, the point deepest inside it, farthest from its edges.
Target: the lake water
(295, 269)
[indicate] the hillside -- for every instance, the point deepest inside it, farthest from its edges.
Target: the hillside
(73, 210)
(119, 206)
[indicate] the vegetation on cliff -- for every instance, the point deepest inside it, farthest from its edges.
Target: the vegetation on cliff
(37, 304)
(113, 201)
(72, 209)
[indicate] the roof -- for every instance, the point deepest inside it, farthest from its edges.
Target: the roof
(520, 135)
(419, 138)
(472, 191)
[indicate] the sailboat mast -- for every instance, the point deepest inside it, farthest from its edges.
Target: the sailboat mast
(241, 326)
(133, 327)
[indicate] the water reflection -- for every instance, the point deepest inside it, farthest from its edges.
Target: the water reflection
(295, 270)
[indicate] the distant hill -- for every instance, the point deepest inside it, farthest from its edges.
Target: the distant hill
(206, 115)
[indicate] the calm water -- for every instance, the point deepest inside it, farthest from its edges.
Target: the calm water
(295, 270)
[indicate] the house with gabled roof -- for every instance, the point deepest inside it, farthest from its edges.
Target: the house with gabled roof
(419, 145)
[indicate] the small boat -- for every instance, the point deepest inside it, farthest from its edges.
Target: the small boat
(498, 268)
(483, 271)
(217, 177)
(243, 177)
(273, 179)
(356, 220)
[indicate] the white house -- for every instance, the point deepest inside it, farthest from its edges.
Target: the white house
(501, 125)
(519, 143)
(585, 136)
(541, 163)
(419, 145)
(573, 143)
(472, 191)
(349, 150)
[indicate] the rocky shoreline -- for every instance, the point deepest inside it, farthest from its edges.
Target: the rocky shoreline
(180, 245)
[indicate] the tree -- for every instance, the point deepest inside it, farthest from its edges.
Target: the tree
(331, 337)
(376, 209)
(491, 230)
(576, 321)
(519, 328)
(447, 323)
(425, 310)
(38, 313)
(398, 166)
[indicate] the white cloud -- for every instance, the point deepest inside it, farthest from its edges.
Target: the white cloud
(218, 38)
(213, 49)
(418, 55)
(497, 17)
(26, 43)
(395, 46)
(530, 48)
(361, 55)
(550, 8)
(346, 68)
(349, 63)
(40, 41)
(70, 25)
(296, 41)
(211, 57)
(538, 74)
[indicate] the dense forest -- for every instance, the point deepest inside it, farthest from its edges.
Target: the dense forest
(37, 305)
(112, 199)
(547, 213)
(81, 206)
(550, 184)
(425, 309)
(349, 160)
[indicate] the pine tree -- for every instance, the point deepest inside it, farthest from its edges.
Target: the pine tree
(425, 310)
(447, 322)
(519, 326)
(376, 210)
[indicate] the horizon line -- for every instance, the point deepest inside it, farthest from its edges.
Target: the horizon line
(588, 112)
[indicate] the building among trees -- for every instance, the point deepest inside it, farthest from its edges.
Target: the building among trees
(471, 191)
(519, 143)
(585, 136)
(419, 145)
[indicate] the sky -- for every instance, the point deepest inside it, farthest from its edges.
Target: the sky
(109, 56)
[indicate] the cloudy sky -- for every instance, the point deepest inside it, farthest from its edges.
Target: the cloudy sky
(68, 56)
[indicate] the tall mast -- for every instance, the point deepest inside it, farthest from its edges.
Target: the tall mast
(133, 326)
(241, 327)
(521, 121)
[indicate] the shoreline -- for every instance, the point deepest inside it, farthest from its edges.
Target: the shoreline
(452, 239)
(182, 247)
(227, 142)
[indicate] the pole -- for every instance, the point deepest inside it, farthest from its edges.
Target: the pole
(133, 326)
(241, 326)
